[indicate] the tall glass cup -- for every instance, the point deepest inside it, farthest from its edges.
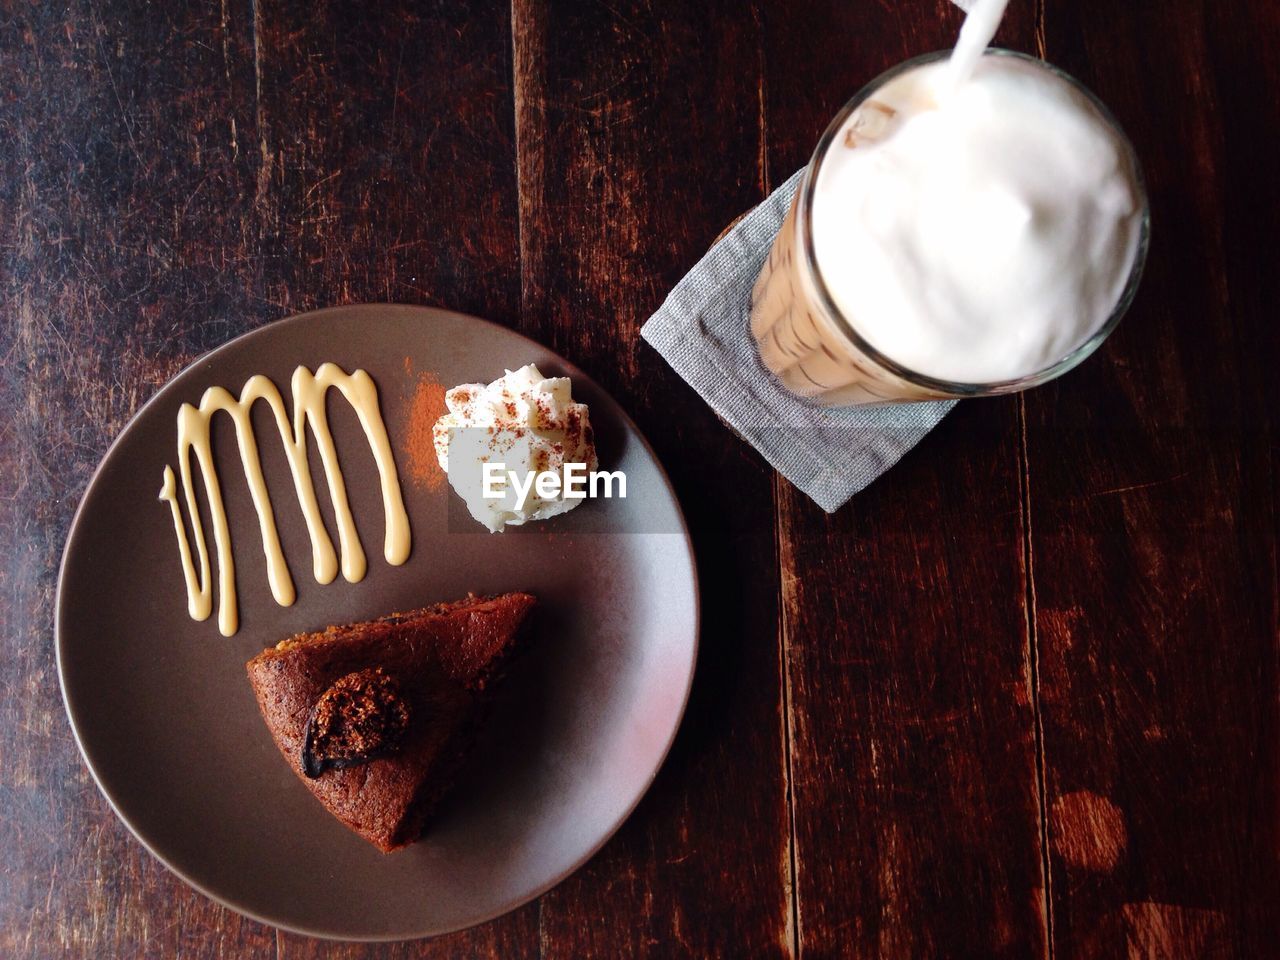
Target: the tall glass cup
(816, 351)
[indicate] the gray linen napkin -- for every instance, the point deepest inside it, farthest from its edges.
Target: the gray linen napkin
(702, 331)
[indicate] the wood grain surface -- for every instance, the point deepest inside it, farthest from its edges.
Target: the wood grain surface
(1152, 519)
(1021, 698)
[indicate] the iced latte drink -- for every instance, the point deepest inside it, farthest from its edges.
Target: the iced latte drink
(953, 236)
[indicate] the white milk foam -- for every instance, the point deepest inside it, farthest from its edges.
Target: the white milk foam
(978, 231)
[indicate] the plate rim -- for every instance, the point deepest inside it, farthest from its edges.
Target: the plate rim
(60, 600)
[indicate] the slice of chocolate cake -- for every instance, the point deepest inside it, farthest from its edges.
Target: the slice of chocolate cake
(375, 717)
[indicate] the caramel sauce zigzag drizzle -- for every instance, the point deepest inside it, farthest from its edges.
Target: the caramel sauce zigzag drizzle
(194, 436)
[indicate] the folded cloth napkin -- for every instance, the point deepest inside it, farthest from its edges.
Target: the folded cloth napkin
(702, 331)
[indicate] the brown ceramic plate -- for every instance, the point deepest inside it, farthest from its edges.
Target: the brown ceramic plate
(164, 715)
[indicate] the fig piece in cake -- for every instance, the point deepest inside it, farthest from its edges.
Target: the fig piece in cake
(361, 717)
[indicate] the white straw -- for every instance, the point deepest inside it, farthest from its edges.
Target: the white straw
(980, 25)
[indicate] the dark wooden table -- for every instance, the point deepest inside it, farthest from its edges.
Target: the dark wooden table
(1018, 699)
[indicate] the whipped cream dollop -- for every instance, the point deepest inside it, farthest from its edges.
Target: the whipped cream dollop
(524, 422)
